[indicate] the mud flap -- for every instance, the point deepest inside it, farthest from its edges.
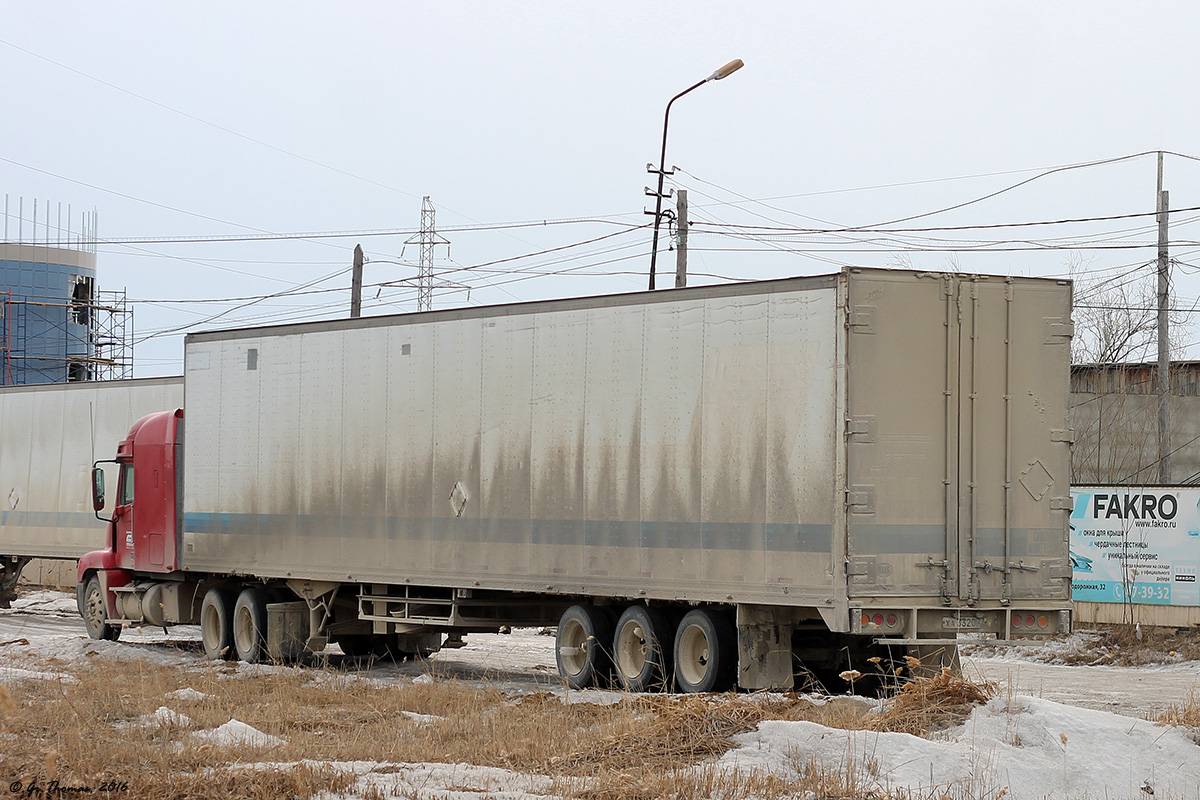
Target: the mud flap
(764, 648)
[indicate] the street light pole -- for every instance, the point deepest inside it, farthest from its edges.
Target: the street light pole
(723, 72)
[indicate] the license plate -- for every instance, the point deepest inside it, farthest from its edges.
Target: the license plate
(962, 623)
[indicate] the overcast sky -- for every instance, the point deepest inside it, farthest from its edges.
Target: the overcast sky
(224, 119)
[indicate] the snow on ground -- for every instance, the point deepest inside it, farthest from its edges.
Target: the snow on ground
(236, 733)
(1051, 732)
(1034, 748)
(12, 675)
(163, 717)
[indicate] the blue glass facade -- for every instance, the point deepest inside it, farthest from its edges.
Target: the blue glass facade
(46, 330)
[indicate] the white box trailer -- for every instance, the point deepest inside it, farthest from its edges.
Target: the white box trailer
(49, 436)
(729, 475)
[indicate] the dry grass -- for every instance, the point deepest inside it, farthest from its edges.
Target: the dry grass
(1123, 646)
(932, 704)
(1185, 714)
(86, 733)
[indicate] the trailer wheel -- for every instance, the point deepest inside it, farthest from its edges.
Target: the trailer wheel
(641, 649)
(94, 613)
(584, 634)
(705, 652)
(216, 624)
(250, 625)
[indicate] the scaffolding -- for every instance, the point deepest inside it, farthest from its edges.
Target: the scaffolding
(49, 340)
(55, 326)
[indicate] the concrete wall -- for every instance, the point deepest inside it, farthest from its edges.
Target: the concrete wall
(1116, 438)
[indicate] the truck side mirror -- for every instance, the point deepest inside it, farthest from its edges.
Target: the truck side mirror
(97, 489)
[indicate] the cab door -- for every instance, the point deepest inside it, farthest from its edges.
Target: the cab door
(123, 534)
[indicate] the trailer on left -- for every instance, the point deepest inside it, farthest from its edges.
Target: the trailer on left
(49, 437)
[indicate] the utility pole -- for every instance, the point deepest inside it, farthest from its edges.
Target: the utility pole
(681, 225)
(1164, 352)
(356, 283)
(427, 238)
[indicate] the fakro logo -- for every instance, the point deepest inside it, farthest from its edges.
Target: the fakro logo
(1135, 506)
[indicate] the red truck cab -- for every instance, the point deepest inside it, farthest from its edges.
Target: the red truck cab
(145, 527)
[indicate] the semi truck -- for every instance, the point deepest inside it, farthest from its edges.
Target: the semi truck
(699, 488)
(50, 435)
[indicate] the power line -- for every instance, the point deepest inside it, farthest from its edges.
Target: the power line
(988, 226)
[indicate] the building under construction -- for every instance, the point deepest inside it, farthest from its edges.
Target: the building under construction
(55, 326)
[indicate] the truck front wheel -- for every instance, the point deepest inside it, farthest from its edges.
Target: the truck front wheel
(216, 624)
(95, 614)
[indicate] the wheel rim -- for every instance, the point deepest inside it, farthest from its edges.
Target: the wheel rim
(632, 649)
(243, 630)
(694, 654)
(95, 608)
(210, 628)
(573, 647)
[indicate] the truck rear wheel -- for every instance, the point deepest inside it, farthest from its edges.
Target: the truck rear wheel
(94, 612)
(250, 625)
(584, 634)
(705, 652)
(216, 624)
(641, 648)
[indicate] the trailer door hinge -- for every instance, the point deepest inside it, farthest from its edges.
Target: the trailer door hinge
(861, 319)
(863, 427)
(1058, 329)
(861, 499)
(856, 566)
(1062, 504)
(1067, 435)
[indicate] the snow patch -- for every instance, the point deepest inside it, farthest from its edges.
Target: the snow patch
(237, 733)
(163, 717)
(187, 693)
(13, 675)
(1034, 748)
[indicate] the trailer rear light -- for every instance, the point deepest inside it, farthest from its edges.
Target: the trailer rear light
(879, 622)
(1043, 621)
(1029, 621)
(1016, 620)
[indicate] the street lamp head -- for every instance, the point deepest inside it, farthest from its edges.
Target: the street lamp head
(727, 70)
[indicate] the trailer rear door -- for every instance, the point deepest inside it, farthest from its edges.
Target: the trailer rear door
(958, 452)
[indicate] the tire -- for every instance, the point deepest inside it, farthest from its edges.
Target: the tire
(580, 645)
(705, 652)
(641, 649)
(250, 625)
(216, 624)
(94, 612)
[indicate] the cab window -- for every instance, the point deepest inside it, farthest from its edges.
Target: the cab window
(126, 497)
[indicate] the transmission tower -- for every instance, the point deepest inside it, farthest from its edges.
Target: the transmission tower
(428, 238)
